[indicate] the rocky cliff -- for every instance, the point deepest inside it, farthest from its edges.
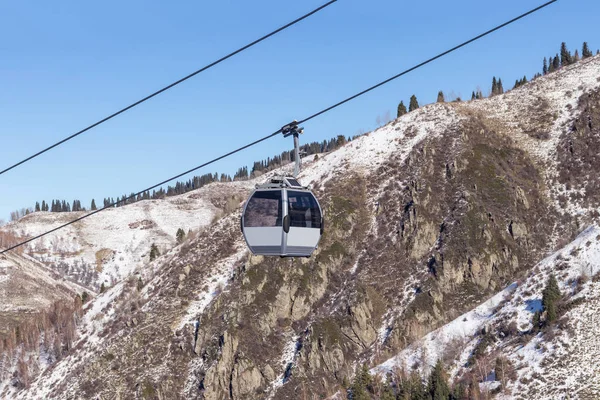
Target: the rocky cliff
(426, 217)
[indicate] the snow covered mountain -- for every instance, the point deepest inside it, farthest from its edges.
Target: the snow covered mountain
(426, 218)
(560, 362)
(109, 246)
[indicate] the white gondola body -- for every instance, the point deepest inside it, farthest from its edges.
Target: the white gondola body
(282, 220)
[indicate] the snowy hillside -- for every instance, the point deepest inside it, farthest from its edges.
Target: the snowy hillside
(426, 218)
(110, 245)
(562, 362)
(27, 289)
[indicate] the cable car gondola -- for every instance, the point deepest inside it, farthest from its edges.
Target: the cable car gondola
(282, 218)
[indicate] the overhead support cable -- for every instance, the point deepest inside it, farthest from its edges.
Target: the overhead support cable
(284, 129)
(164, 89)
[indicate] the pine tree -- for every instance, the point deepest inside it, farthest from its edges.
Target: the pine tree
(545, 67)
(585, 52)
(440, 97)
(93, 206)
(550, 298)
(387, 393)
(154, 252)
(37, 207)
(459, 391)
(438, 383)
(576, 56)
(500, 88)
(414, 104)
(44, 206)
(84, 297)
(556, 63)
(102, 288)
(180, 236)
(362, 384)
(473, 95)
(418, 391)
(551, 65)
(401, 109)
(565, 55)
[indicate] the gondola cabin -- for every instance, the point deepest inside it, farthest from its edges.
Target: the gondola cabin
(282, 218)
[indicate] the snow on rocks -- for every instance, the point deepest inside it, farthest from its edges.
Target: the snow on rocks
(397, 139)
(288, 356)
(116, 241)
(571, 357)
(216, 282)
(430, 348)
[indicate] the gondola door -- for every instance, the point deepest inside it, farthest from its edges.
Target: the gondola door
(263, 222)
(304, 218)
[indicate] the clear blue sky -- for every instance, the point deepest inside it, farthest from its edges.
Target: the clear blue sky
(64, 65)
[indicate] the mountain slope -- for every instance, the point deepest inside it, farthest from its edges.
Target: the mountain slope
(109, 246)
(560, 361)
(425, 217)
(29, 293)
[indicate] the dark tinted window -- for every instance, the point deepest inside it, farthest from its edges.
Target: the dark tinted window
(264, 209)
(303, 210)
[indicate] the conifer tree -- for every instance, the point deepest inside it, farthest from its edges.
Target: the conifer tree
(585, 52)
(401, 109)
(576, 56)
(37, 206)
(545, 67)
(102, 288)
(362, 384)
(180, 236)
(459, 391)
(500, 88)
(387, 393)
(565, 55)
(440, 97)
(494, 86)
(44, 206)
(414, 104)
(154, 252)
(550, 298)
(438, 383)
(473, 95)
(84, 297)
(93, 206)
(556, 63)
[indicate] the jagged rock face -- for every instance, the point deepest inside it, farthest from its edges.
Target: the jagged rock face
(578, 154)
(408, 246)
